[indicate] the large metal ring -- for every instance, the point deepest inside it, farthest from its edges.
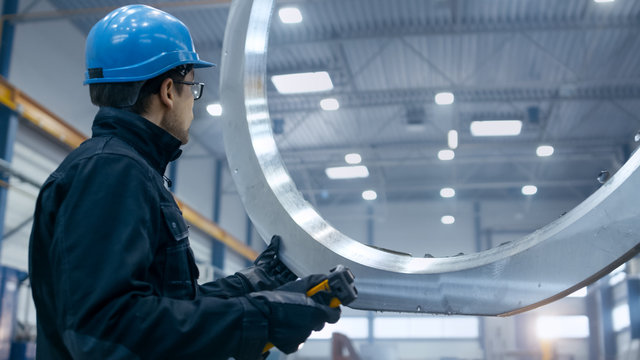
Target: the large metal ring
(581, 246)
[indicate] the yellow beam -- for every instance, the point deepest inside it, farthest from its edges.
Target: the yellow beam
(38, 115)
(209, 227)
(30, 110)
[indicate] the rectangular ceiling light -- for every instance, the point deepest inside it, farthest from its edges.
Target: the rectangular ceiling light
(302, 82)
(496, 128)
(347, 172)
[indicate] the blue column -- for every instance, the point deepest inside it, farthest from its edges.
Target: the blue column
(173, 175)
(593, 312)
(609, 344)
(370, 240)
(218, 248)
(633, 299)
(249, 236)
(477, 222)
(8, 120)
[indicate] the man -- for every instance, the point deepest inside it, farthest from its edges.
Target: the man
(112, 272)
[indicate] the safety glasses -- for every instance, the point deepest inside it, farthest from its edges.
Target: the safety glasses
(196, 88)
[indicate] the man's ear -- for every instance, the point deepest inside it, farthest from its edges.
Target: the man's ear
(167, 90)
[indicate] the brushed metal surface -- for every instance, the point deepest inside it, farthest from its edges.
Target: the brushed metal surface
(577, 249)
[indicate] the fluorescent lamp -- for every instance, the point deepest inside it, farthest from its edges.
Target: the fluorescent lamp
(214, 109)
(444, 98)
(347, 172)
(617, 278)
(617, 275)
(329, 104)
(452, 139)
(620, 317)
(562, 327)
(529, 190)
(448, 219)
(369, 195)
(353, 158)
(544, 150)
(603, 1)
(290, 15)
(432, 327)
(302, 82)
(447, 192)
(446, 154)
(579, 293)
(496, 128)
(354, 327)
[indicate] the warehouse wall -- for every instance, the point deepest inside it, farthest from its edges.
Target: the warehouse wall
(39, 47)
(412, 227)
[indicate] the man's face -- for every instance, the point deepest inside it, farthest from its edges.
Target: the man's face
(178, 120)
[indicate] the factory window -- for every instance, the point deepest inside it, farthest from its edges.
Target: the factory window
(620, 315)
(425, 328)
(352, 327)
(562, 327)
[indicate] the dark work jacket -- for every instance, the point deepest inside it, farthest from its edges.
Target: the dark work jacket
(112, 272)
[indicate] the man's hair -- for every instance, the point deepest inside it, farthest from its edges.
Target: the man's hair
(134, 96)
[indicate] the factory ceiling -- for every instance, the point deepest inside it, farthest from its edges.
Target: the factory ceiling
(567, 70)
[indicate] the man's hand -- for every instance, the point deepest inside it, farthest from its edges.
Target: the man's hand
(292, 315)
(268, 271)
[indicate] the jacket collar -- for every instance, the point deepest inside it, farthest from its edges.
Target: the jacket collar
(155, 144)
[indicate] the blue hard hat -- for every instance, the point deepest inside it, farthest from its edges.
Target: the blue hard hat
(135, 43)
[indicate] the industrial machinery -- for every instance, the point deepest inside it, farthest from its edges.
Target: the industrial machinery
(573, 251)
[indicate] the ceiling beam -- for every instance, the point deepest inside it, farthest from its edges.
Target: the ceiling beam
(85, 11)
(462, 27)
(459, 160)
(607, 90)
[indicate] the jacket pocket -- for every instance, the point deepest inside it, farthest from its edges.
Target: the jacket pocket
(180, 270)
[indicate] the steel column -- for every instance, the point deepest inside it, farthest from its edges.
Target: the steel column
(370, 239)
(173, 175)
(477, 222)
(595, 320)
(249, 236)
(633, 299)
(218, 249)
(8, 121)
(606, 310)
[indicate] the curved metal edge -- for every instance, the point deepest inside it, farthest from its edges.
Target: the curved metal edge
(574, 250)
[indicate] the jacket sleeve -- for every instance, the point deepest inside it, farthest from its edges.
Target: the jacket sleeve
(225, 288)
(107, 307)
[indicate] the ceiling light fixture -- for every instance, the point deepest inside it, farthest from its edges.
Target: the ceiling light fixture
(353, 158)
(444, 98)
(302, 82)
(214, 109)
(529, 190)
(544, 150)
(329, 104)
(369, 195)
(496, 128)
(447, 219)
(447, 192)
(347, 172)
(452, 139)
(290, 15)
(603, 1)
(446, 155)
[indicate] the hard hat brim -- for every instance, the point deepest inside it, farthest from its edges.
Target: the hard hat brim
(139, 72)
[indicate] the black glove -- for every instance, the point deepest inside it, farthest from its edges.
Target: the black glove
(268, 271)
(292, 315)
